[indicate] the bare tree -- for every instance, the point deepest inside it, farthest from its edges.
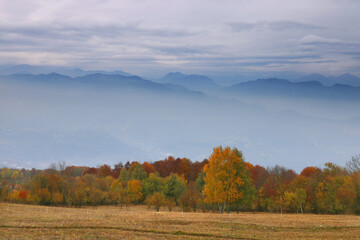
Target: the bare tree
(60, 166)
(354, 164)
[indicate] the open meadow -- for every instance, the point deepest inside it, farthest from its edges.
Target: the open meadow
(138, 222)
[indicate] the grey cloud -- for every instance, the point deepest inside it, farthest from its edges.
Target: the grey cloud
(244, 26)
(273, 26)
(318, 40)
(331, 46)
(292, 25)
(84, 32)
(260, 57)
(166, 37)
(265, 61)
(186, 49)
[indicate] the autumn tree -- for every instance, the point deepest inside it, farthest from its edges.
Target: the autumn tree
(225, 178)
(183, 167)
(137, 171)
(127, 165)
(258, 175)
(124, 175)
(300, 198)
(174, 187)
(190, 199)
(196, 169)
(152, 184)
(116, 171)
(93, 171)
(355, 179)
(105, 170)
(149, 168)
(4, 189)
(134, 191)
(156, 200)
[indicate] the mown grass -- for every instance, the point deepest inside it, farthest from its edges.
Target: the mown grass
(138, 222)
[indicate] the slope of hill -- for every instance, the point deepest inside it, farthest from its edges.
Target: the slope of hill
(35, 70)
(284, 88)
(191, 81)
(99, 81)
(346, 79)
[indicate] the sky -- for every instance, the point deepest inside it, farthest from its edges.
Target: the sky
(220, 38)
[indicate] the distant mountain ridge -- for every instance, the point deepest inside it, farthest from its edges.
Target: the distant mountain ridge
(261, 87)
(54, 117)
(346, 78)
(100, 81)
(285, 88)
(191, 81)
(35, 70)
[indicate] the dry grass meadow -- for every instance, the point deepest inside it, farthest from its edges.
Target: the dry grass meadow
(138, 222)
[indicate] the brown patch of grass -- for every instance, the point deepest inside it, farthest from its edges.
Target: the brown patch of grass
(137, 222)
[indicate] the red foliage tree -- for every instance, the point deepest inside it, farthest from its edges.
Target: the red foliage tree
(22, 195)
(309, 171)
(183, 166)
(270, 187)
(92, 171)
(116, 171)
(258, 175)
(105, 170)
(149, 168)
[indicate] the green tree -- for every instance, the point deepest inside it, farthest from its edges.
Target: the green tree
(174, 186)
(137, 171)
(152, 184)
(300, 198)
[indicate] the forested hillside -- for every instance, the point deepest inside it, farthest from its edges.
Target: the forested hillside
(223, 182)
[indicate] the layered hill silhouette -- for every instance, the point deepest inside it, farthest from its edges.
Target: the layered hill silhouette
(100, 81)
(196, 85)
(111, 117)
(346, 79)
(191, 81)
(36, 70)
(284, 88)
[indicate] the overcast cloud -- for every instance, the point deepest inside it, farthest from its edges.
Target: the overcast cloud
(218, 37)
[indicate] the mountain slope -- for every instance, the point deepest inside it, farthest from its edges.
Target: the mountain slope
(346, 79)
(284, 88)
(99, 81)
(35, 70)
(191, 81)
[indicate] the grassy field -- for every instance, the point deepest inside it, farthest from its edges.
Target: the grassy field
(138, 222)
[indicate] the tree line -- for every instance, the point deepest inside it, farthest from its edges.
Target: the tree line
(223, 182)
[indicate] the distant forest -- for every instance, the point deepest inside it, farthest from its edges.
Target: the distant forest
(223, 182)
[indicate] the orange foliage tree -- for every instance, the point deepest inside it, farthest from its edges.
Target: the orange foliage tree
(134, 191)
(225, 178)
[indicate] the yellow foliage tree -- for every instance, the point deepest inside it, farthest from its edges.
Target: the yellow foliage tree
(225, 178)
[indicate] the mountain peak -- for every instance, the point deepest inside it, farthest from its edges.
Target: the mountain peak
(271, 80)
(347, 75)
(348, 79)
(313, 77)
(191, 81)
(177, 75)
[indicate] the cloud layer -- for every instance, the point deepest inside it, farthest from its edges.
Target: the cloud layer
(219, 37)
